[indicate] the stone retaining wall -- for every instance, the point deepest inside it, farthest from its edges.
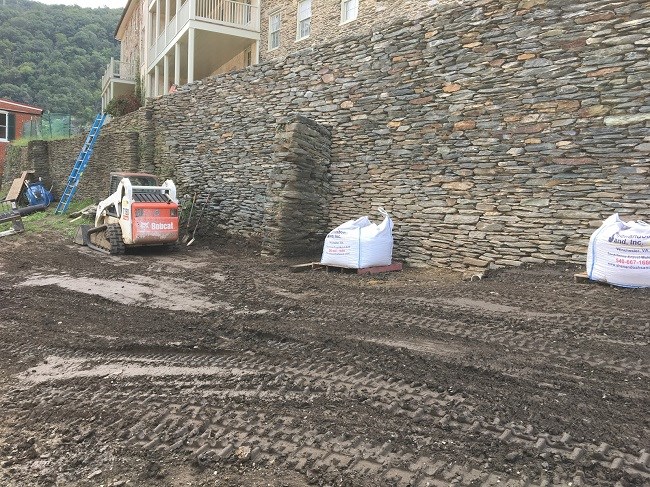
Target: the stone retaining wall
(16, 161)
(495, 132)
(117, 149)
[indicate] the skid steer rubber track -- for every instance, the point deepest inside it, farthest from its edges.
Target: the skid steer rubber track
(114, 236)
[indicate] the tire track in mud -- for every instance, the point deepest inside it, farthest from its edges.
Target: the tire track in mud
(221, 409)
(541, 337)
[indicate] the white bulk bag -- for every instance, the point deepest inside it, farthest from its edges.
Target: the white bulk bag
(619, 253)
(358, 244)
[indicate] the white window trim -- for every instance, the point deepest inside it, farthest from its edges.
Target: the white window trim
(343, 22)
(298, 20)
(6, 126)
(273, 14)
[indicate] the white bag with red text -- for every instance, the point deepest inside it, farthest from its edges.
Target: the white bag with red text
(619, 253)
(359, 243)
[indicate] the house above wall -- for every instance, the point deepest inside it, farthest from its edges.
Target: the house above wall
(174, 42)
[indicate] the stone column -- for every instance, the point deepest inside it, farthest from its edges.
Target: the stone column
(39, 159)
(298, 193)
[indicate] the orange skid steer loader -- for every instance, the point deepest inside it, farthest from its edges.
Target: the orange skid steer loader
(139, 212)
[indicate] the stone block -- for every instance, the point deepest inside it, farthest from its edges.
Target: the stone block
(461, 219)
(458, 185)
(451, 87)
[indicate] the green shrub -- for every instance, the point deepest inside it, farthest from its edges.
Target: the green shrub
(123, 104)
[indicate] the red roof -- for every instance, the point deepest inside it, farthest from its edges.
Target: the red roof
(14, 106)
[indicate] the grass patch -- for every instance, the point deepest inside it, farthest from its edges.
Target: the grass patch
(47, 221)
(26, 140)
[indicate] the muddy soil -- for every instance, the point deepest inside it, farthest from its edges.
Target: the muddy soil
(211, 365)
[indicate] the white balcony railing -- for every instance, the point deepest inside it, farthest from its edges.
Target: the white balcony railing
(118, 70)
(238, 14)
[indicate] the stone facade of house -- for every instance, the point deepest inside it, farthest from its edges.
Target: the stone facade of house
(328, 24)
(494, 132)
(132, 43)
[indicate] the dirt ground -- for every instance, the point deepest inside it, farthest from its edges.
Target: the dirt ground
(211, 365)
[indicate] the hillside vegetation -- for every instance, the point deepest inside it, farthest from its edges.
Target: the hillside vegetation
(54, 56)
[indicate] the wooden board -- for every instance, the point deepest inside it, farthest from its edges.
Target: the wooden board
(393, 267)
(18, 186)
(581, 278)
(303, 267)
(313, 266)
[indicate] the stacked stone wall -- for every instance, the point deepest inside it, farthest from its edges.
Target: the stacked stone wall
(115, 150)
(131, 122)
(495, 132)
(16, 162)
(38, 152)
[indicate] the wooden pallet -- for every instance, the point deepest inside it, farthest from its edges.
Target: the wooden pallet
(583, 278)
(315, 266)
(18, 186)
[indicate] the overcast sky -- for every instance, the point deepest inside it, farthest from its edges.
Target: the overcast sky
(88, 3)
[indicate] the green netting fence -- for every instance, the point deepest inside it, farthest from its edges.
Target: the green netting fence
(52, 126)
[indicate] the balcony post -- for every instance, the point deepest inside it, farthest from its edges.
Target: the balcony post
(166, 73)
(157, 20)
(177, 64)
(150, 85)
(167, 12)
(190, 54)
(156, 77)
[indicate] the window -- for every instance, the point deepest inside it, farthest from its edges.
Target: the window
(7, 126)
(248, 57)
(349, 10)
(274, 31)
(304, 19)
(3, 126)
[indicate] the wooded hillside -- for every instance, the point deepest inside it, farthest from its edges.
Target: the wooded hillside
(54, 56)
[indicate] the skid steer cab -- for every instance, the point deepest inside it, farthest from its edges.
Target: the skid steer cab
(138, 212)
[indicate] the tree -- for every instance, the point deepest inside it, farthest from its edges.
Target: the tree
(54, 56)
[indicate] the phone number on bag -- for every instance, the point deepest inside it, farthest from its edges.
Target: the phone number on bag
(633, 261)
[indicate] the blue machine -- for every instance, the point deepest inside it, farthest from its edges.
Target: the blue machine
(37, 194)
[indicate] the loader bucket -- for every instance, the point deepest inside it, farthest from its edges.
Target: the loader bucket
(81, 237)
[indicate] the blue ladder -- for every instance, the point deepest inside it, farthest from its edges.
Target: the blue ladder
(79, 165)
